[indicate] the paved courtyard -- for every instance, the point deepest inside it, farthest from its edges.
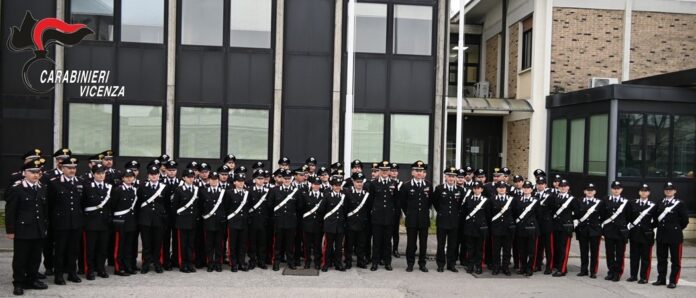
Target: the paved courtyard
(357, 283)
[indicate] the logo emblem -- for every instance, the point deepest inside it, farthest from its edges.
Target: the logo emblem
(35, 35)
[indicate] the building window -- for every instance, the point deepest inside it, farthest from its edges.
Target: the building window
(577, 145)
(199, 132)
(201, 22)
(142, 21)
(410, 136)
(250, 23)
(413, 29)
(368, 136)
(559, 132)
(247, 133)
(98, 15)
(527, 49)
(657, 145)
(89, 127)
(140, 130)
(630, 159)
(370, 28)
(597, 148)
(683, 155)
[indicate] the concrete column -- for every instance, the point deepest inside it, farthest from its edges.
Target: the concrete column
(541, 81)
(336, 89)
(58, 90)
(171, 78)
(278, 85)
(440, 69)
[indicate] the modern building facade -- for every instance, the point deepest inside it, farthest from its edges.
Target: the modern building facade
(534, 56)
(256, 78)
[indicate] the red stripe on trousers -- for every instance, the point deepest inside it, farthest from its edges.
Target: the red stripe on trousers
(536, 246)
(565, 260)
(116, 267)
(323, 251)
(596, 267)
(483, 253)
(676, 279)
(552, 244)
(647, 273)
(84, 250)
(623, 262)
(229, 246)
(273, 255)
(178, 245)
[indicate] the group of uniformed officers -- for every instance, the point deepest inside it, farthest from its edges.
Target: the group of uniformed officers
(315, 216)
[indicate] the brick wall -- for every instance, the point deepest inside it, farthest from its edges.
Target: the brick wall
(585, 43)
(518, 146)
(513, 35)
(661, 43)
(492, 64)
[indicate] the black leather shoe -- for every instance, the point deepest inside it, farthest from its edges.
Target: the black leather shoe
(317, 266)
(362, 266)
(583, 273)
(506, 271)
(276, 267)
(244, 268)
(158, 269)
(121, 273)
(593, 275)
(233, 269)
(671, 285)
(103, 274)
(396, 254)
(642, 281)
(167, 267)
(409, 268)
(324, 269)
(547, 271)
(263, 266)
(37, 285)
(59, 281)
(469, 269)
(49, 272)
(218, 268)
(373, 268)
(631, 279)
(340, 268)
(210, 269)
(388, 267)
(495, 272)
(616, 278)
(348, 266)
(479, 270)
(18, 291)
(558, 274)
(291, 266)
(74, 278)
(530, 273)
(659, 283)
(145, 269)
(440, 269)
(609, 277)
(40, 275)
(423, 269)
(191, 269)
(90, 276)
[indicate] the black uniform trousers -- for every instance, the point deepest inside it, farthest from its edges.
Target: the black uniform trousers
(502, 246)
(641, 257)
(298, 249)
(545, 248)
(283, 242)
(411, 235)
(48, 250)
(214, 245)
(395, 230)
(333, 249)
(675, 255)
(526, 250)
(67, 244)
(257, 245)
(185, 239)
(561, 249)
(199, 251)
(152, 245)
(97, 248)
(134, 250)
(615, 250)
(381, 244)
(237, 240)
(474, 248)
(461, 245)
(356, 241)
(312, 247)
(26, 261)
(589, 254)
(168, 245)
(124, 259)
(446, 237)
